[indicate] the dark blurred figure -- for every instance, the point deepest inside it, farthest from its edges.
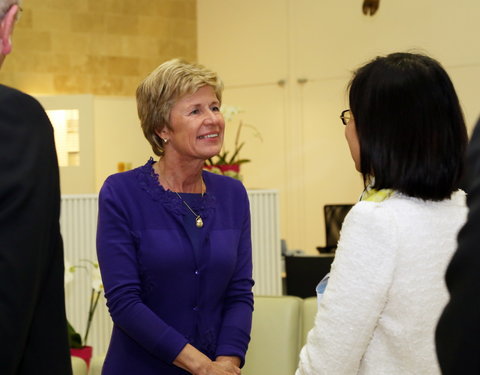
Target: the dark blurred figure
(33, 327)
(370, 7)
(458, 332)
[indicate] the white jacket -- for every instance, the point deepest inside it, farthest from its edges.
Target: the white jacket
(386, 289)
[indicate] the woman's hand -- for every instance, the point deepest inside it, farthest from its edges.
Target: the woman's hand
(197, 363)
(229, 362)
(221, 368)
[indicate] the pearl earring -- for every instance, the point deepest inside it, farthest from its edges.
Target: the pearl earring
(165, 140)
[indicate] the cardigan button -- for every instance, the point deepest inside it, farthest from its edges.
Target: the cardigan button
(196, 272)
(195, 308)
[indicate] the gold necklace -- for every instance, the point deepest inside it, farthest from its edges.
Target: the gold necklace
(198, 218)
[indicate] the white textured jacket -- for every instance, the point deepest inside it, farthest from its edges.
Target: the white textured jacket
(386, 289)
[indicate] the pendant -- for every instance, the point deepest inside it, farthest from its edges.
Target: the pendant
(199, 221)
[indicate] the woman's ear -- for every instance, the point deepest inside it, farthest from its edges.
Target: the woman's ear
(6, 29)
(163, 133)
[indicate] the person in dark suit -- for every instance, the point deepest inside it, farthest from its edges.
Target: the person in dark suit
(458, 331)
(33, 326)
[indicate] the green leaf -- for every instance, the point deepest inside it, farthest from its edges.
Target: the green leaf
(232, 159)
(74, 338)
(222, 158)
(209, 161)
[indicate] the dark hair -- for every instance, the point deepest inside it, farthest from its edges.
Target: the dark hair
(410, 126)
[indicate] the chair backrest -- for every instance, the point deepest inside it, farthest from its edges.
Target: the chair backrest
(279, 330)
(334, 215)
(310, 307)
(96, 365)
(275, 343)
(79, 366)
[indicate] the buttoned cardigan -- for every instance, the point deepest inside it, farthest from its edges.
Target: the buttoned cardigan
(162, 295)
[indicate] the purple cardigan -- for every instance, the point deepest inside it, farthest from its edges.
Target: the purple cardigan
(160, 294)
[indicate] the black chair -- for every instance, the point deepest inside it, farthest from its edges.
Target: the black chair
(334, 215)
(303, 273)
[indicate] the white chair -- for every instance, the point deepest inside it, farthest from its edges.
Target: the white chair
(309, 312)
(280, 325)
(79, 366)
(275, 342)
(96, 365)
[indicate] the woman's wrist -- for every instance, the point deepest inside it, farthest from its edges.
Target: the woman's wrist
(224, 358)
(192, 360)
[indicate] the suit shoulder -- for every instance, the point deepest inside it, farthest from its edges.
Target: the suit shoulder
(10, 94)
(17, 105)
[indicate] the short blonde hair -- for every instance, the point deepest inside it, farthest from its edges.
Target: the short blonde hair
(158, 92)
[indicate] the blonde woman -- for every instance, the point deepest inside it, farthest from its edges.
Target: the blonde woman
(174, 240)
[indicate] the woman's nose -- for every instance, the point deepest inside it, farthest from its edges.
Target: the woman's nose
(211, 117)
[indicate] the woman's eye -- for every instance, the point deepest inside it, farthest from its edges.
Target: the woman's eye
(195, 112)
(215, 108)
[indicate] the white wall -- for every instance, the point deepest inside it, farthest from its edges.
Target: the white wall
(118, 136)
(314, 46)
(81, 178)
(110, 133)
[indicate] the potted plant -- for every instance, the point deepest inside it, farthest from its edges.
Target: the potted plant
(78, 345)
(227, 163)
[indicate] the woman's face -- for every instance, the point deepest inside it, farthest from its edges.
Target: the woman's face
(196, 126)
(352, 140)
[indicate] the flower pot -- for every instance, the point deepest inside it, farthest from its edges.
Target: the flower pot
(229, 167)
(85, 353)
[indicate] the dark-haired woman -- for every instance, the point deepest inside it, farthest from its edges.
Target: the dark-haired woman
(407, 137)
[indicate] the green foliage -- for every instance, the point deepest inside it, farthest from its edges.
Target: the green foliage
(224, 158)
(74, 338)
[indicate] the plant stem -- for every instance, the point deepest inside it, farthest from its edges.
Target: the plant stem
(91, 310)
(237, 136)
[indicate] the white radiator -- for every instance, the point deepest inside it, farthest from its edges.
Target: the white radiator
(78, 225)
(265, 242)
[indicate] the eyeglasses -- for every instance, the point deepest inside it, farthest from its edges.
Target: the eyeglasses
(345, 116)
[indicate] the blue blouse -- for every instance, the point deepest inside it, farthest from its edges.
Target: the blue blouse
(161, 293)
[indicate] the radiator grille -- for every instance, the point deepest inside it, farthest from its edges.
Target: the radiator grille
(78, 225)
